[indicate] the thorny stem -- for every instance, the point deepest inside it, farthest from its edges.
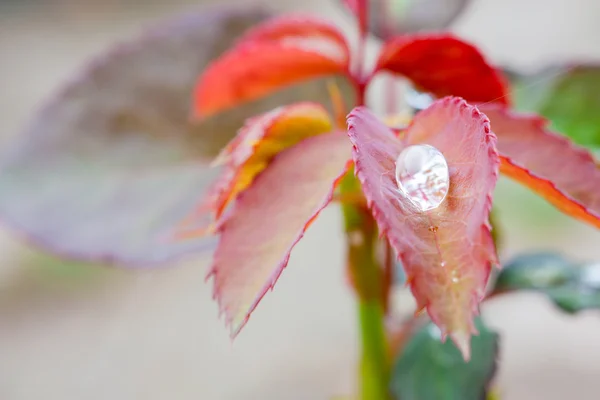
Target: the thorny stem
(368, 279)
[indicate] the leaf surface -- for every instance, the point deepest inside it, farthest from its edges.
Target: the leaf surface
(572, 287)
(269, 218)
(261, 139)
(278, 53)
(443, 65)
(563, 173)
(448, 251)
(111, 163)
(428, 369)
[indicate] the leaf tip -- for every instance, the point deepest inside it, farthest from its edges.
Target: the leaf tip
(462, 340)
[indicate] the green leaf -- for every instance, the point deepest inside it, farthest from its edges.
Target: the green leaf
(428, 369)
(569, 96)
(571, 286)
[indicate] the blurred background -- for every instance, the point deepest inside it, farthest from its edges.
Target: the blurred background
(72, 331)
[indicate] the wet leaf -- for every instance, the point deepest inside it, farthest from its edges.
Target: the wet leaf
(571, 286)
(395, 17)
(274, 55)
(443, 65)
(428, 369)
(563, 173)
(447, 251)
(269, 218)
(111, 164)
(261, 139)
(569, 96)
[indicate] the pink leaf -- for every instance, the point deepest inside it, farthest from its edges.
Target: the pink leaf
(269, 218)
(563, 173)
(261, 139)
(448, 251)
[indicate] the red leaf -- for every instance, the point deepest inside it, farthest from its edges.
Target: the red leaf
(269, 218)
(443, 65)
(261, 139)
(299, 30)
(276, 54)
(558, 170)
(448, 251)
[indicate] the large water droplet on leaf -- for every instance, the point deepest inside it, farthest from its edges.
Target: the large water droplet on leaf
(422, 176)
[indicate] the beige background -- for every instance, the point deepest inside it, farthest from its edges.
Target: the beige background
(118, 335)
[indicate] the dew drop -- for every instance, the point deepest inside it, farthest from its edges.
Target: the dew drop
(422, 176)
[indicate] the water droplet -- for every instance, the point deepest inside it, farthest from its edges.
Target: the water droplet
(433, 229)
(443, 264)
(422, 176)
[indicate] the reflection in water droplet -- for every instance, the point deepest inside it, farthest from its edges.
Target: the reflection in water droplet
(422, 176)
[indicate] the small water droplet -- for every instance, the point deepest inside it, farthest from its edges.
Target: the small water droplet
(422, 176)
(455, 280)
(433, 229)
(443, 264)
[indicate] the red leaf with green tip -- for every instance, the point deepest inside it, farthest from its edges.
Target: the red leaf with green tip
(443, 65)
(299, 29)
(278, 54)
(448, 251)
(563, 173)
(269, 218)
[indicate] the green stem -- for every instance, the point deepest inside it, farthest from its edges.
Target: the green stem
(368, 280)
(374, 364)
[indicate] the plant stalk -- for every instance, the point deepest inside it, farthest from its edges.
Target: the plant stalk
(367, 276)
